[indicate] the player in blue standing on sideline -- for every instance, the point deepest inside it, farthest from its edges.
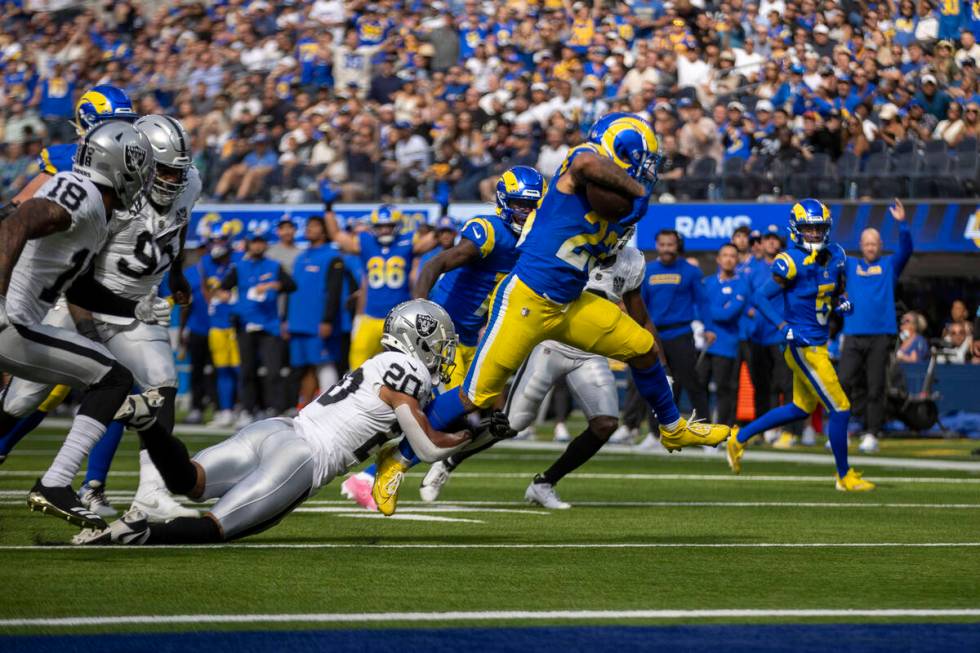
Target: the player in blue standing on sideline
(808, 281)
(725, 295)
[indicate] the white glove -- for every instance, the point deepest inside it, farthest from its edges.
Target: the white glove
(153, 309)
(4, 321)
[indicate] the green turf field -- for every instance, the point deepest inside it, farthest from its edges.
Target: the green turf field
(648, 533)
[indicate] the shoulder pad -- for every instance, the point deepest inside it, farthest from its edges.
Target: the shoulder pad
(784, 266)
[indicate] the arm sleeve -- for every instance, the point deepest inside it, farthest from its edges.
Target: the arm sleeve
(335, 289)
(763, 301)
(96, 298)
(424, 448)
(904, 252)
(286, 282)
(231, 279)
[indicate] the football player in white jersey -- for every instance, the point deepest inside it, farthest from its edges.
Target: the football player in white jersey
(131, 266)
(268, 468)
(589, 379)
(44, 245)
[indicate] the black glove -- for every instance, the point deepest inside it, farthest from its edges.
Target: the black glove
(497, 425)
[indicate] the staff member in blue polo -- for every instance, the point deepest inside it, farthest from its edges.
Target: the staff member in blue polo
(672, 292)
(259, 281)
(869, 332)
(725, 294)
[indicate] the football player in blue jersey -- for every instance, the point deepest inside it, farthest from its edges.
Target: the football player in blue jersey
(386, 259)
(543, 298)
(461, 278)
(808, 281)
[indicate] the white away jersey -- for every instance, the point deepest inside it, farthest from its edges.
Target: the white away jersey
(612, 281)
(348, 422)
(47, 266)
(141, 250)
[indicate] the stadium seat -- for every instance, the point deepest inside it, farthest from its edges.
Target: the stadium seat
(733, 182)
(933, 177)
(701, 179)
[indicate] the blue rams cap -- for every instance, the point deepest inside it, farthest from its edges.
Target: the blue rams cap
(446, 222)
(773, 230)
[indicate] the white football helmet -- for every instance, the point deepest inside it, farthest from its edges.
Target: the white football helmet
(424, 330)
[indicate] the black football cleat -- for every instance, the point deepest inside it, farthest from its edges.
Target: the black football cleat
(63, 502)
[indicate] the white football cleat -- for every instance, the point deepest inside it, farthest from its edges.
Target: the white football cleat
(809, 438)
(132, 528)
(194, 417)
(650, 443)
(92, 496)
(622, 435)
(435, 478)
(545, 496)
(561, 432)
(869, 443)
(244, 419)
(223, 419)
(159, 506)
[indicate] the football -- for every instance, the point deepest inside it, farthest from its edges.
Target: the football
(608, 203)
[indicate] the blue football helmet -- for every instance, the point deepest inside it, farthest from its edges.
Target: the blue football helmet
(810, 224)
(629, 141)
(100, 103)
(386, 221)
(519, 191)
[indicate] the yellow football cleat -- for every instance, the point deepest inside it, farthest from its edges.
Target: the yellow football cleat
(852, 482)
(786, 441)
(692, 432)
(387, 480)
(734, 451)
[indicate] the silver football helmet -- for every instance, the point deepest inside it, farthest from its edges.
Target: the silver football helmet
(423, 329)
(171, 154)
(117, 155)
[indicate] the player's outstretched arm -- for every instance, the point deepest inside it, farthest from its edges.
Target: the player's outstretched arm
(589, 168)
(454, 257)
(35, 218)
(345, 241)
(27, 192)
(429, 444)
(763, 297)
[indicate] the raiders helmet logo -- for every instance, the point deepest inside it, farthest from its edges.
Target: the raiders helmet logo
(135, 157)
(425, 325)
(618, 284)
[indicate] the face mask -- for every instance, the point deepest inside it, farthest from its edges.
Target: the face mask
(904, 335)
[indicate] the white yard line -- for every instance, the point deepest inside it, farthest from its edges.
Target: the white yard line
(402, 516)
(500, 545)
(497, 615)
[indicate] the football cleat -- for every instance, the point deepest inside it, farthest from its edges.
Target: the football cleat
(734, 451)
(691, 432)
(222, 419)
(869, 443)
(561, 432)
(159, 506)
(544, 495)
(388, 479)
(622, 435)
(92, 496)
(434, 480)
(852, 482)
(786, 441)
(650, 442)
(194, 417)
(358, 488)
(139, 412)
(131, 528)
(62, 502)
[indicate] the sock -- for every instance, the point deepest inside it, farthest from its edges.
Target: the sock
(84, 433)
(653, 386)
(102, 454)
(575, 455)
(185, 530)
(171, 459)
(775, 417)
(405, 449)
(837, 432)
(18, 429)
(150, 478)
(445, 409)
(227, 380)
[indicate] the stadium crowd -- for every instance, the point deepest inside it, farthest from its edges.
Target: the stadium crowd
(289, 100)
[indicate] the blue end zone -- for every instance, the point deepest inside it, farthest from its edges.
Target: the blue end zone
(818, 638)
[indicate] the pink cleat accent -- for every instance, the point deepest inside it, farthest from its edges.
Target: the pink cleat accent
(358, 488)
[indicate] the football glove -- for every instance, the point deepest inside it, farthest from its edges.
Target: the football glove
(497, 425)
(844, 306)
(153, 309)
(640, 207)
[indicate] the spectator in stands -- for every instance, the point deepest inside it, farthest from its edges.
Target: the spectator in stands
(869, 332)
(935, 100)
(956, 344)
(408, 162)
(552, 153)
(249, 176)
(698, 138)
(950, 129)
(914, 348)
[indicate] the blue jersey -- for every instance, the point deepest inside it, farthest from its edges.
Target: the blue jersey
(673, 294)
(386, 269)
(352, 262)
(764, 332)
(871, 288)
(56, 98)
(57, 158)
(724, 303)
(219, 312)
(563, 240)
(259, 310)
(307, 305)
(428, 256)
(809, 291)
(197, 318)
(464, 292)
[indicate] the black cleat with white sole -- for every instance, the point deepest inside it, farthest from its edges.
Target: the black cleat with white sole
(131, 528)
(63, 502)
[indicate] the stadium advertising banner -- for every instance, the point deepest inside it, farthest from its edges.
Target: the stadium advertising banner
(938, 226)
